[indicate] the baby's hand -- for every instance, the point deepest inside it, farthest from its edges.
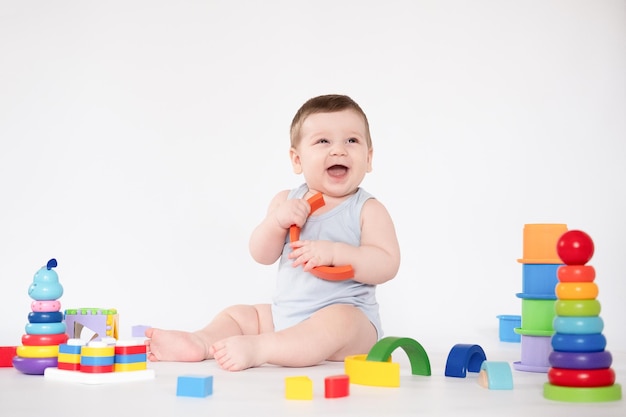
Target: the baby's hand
(292, 212)
(312, 253)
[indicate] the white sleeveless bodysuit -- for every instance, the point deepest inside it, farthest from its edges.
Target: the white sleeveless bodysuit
(299, 294)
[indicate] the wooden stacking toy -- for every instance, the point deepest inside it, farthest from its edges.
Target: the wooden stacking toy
(580, 365)
(45, 330)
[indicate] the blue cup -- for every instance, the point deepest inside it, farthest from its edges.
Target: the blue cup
(508, 323)
(539, 280)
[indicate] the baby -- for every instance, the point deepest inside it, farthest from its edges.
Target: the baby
(311, 319)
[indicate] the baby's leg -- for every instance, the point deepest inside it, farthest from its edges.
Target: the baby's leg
(180, 346)
(330, 334)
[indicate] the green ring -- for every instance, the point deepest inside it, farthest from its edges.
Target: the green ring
(582, 395)
(578, 308)
(381, 352)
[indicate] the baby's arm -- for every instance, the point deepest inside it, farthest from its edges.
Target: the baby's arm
(268, 238)
(377, 259)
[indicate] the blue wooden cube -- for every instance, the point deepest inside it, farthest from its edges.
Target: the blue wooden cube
(194, 386)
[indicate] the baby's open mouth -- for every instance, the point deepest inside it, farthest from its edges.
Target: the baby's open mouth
(337, 170)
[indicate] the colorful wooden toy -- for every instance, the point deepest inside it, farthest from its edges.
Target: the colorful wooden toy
(92, 323)
(495, 375)
(298, 388)
(463, 358)
(580, 366)
(330, 273)
(45, 306)
(372, 373)
(37, 351)
(6, 356)
(539, 278)
(376, 368)
(139, 330)
(194, 386)
(45, 329)
(69, 355)
(34, 366)
(575, 247)
(44, 339)
(336, 386)
(101, 362)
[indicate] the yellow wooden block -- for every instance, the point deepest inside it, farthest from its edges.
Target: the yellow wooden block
(298, 388)
(49, 351)
(98, 351)
(69, 358)
(372, 373)
(128, 367)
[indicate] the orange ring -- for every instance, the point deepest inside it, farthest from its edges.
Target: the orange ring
(581, 377)
(315, 202)
(576, 290)
(329, 273)
(576, 273)
(333, 273)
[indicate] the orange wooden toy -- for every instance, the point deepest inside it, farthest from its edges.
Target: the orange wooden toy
(330, 273)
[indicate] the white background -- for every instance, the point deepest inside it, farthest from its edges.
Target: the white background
(141, 141)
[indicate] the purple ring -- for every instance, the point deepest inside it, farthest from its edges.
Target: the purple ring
(581, 360)
(34, 366)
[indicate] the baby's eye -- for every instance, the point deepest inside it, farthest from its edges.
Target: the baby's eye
(352, 140)
(322, 140)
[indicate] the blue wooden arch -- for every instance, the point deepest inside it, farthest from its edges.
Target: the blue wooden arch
(463, 358)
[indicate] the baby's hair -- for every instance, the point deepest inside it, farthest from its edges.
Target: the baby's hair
(326, 104)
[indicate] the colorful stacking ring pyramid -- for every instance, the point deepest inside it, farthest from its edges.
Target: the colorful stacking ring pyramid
(540, 264)
(580, 366)
(45, 330)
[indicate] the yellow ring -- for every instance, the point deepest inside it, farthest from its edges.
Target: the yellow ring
(576, 290)
(50, 351)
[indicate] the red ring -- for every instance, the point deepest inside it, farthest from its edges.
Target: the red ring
(581, 377)
(576, 273)
(44, 339)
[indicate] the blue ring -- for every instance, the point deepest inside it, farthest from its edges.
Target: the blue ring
(581, 360)
(45, 317)
(578, 342)
(578, 325)
(45, 328)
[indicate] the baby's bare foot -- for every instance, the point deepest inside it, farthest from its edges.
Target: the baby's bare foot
(237, 353)
(175, 346)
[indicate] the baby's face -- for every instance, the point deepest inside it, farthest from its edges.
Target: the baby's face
(333, 153)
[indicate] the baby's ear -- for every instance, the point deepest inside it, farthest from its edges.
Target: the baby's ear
(295, 161)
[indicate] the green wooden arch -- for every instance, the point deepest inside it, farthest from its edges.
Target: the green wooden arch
(382, 350)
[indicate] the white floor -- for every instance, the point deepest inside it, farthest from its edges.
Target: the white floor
(261, 392)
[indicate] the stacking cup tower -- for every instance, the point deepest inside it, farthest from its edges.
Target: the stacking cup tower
(45, 330)
(580, 365)
(539, 269)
